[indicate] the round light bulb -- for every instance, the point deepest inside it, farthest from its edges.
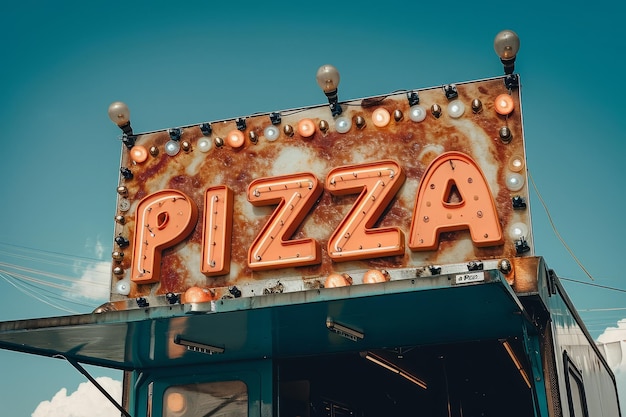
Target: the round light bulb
(306, 128)
(172, 147)
(504, 104)
(456, 108)
(343, 124)
(138, 154)
(271, 133)
(514, 181)
(506, 44)
(205, 145)
(417, 113)
(381, 117)
(235, 139)
(123, 287)
(516, 163)
(119, 113)
(327, 78)
(518, 230)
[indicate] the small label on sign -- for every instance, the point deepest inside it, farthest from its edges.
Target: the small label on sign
(470, 277)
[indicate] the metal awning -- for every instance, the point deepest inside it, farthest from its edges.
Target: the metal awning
(425, 310)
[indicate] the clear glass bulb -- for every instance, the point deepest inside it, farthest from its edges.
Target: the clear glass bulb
(172, 147)
(506, 44)
(514, 181)
(123, 287)
(456, 108)
(271, 133)
(518, 230)
(327, 78)
(417, 113)
(205, 145)
(343, 124)
(119, 113)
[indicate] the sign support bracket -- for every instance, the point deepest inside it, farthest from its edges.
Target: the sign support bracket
(91, 379)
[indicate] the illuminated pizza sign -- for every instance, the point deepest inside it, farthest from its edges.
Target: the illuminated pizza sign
(397, 184)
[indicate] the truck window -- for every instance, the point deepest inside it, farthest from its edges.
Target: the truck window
(575, 389)
(209, 399)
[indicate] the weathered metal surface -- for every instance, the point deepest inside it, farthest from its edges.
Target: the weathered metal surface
(307, 143)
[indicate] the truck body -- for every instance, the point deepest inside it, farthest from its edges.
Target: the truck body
(378, 261)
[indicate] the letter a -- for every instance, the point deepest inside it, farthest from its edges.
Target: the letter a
(435, 212)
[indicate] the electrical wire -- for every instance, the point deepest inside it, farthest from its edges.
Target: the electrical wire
(556, 232)
(36, 296)
(5, 267)
(48, 287)
(46, 252)
(606, 287)
(50, 294)
(601, 325)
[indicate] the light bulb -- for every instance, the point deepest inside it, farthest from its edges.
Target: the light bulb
(172, 147)
(205, 145)
(328, 78)
(506, 44)
(456, 108)
(271, 133)
(235, 138)
(516, 163)
(139, 154)
(119, 113)
(306, 128)
(381, 117)
(514, 181)
(504, 104)
(343, 124)
(417, 113)
(518, 230)
(123, 287)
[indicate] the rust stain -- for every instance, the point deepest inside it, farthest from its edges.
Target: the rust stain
(413, 145)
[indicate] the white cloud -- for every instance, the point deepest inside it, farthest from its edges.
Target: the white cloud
(99, 249)
(95, 278)
(86, 401)
(94, 282)
(614, 334)
(95, 246)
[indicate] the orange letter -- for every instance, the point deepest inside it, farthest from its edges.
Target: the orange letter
(378, 183)
(295, 195)
(434, 211)
(217, 231)
(163, 219)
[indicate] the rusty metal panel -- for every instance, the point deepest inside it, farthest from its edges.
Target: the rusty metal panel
(253, 202)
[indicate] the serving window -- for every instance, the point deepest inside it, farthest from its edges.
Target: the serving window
(208, 399)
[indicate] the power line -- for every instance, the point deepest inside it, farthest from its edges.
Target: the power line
(593, 285)
(47, 252)
(22, 270)
(556, 232)
(40, 298)
(8, 268)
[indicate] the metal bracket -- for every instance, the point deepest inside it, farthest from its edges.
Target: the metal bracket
(450, 91)
(511, 81)
(91, 379)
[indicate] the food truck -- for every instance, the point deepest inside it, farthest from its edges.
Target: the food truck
(367, 257)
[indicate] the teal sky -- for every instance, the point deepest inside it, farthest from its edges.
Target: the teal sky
(64, 62)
